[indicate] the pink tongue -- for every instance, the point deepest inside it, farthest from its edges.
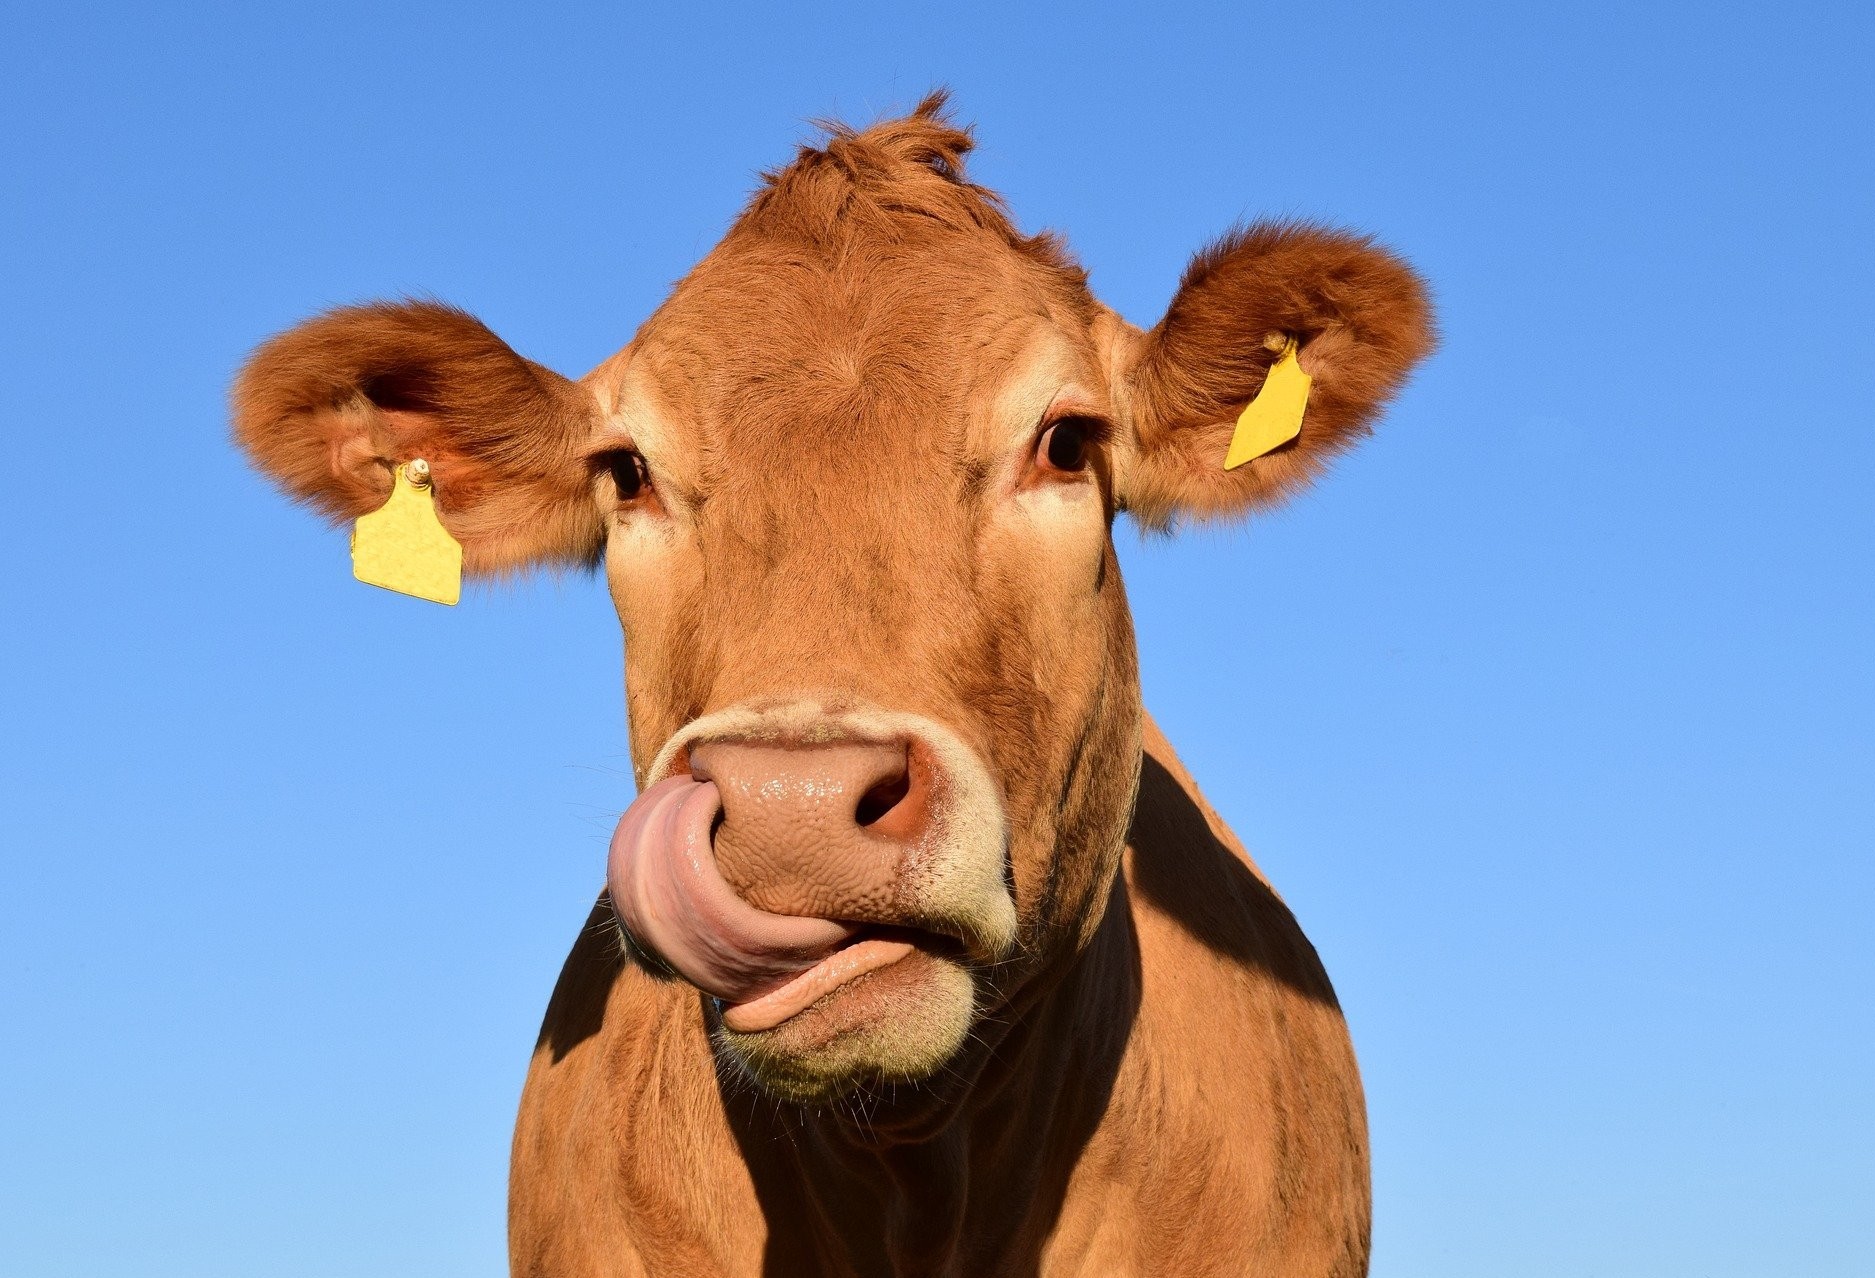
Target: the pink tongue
(666, 887)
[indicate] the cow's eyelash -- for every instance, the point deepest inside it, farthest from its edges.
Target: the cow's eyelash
(1097, 429)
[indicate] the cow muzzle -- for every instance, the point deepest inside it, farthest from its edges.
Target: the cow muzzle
(792, 860)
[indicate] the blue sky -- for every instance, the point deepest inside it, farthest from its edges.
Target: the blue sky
(1549, 711)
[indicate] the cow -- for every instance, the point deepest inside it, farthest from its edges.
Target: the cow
(920, 951)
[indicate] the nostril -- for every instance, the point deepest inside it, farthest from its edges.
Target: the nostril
(882, 798)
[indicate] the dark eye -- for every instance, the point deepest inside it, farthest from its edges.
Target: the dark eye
(628, 471)
(1064, 445)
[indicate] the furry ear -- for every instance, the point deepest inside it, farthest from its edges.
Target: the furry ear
(1361, 317)
(329, 408)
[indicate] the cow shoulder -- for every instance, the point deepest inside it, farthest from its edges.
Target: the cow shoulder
(1239, 1106)
(623, 1162)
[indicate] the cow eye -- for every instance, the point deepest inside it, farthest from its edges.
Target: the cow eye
(629, 473)
(1064, 445)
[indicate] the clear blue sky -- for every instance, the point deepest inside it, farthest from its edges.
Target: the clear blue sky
(1550, 712)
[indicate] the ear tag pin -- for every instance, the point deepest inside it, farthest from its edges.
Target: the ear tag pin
(1274, 417)
(403, 546)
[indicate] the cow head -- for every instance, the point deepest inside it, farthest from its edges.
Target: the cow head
(853, 488)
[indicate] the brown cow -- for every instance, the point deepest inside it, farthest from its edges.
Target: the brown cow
(934, 961)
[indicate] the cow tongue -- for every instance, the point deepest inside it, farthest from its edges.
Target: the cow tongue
(666, 887)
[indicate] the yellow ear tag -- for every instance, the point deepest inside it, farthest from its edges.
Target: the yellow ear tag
(403, 546)
(1274, 417)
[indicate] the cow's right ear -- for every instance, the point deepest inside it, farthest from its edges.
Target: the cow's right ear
(330, 408)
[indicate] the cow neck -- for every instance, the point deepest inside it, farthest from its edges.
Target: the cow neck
(993, 1143)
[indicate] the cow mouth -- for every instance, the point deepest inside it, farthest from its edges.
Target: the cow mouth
(762, 968)
(868, 951)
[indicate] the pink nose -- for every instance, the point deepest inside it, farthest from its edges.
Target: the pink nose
(819, 829)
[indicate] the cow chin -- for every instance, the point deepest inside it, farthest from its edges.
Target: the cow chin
(898, 1024)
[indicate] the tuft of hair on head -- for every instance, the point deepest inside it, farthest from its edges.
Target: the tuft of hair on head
(927, 138)
(871, 179)
(908, 164)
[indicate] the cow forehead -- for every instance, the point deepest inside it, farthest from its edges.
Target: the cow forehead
(926, 349)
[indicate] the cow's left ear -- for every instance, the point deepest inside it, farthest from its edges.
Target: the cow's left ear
(1360, 317)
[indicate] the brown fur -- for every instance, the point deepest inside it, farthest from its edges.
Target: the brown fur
(1110, 1135)
(1363, 319)
(839, 406)
(331, 407)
